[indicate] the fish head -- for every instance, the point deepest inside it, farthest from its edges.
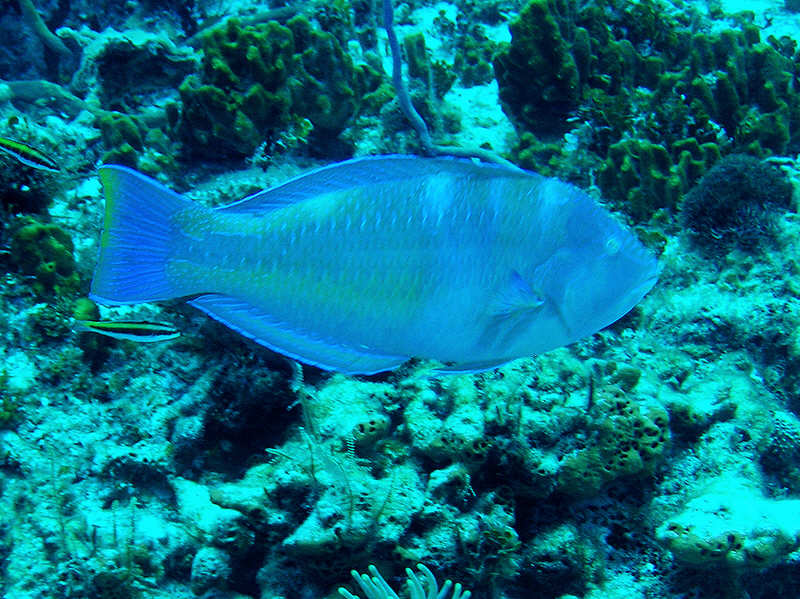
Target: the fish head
(597, 272)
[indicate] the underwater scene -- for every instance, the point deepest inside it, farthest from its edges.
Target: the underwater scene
(384, 299)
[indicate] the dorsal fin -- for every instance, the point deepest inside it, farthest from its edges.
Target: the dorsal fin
(360, 172)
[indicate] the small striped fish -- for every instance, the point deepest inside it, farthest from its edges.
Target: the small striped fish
(133, 330)
(27, 155)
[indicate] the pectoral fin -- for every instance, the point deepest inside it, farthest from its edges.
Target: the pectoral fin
(515, 297)
(513, 307)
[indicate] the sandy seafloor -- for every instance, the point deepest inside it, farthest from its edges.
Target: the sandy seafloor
(201, 467)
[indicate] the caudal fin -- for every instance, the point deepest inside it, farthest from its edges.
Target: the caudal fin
(138, 237)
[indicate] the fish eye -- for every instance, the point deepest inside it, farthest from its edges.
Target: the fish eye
(613, 245)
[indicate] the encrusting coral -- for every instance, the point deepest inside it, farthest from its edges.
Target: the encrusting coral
(733, 525)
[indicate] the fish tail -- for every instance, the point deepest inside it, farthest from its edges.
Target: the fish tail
(138, 237)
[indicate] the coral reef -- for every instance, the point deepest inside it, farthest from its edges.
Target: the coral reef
(367, 494)
(658, 458)
(24, 189)
(473, 54)
(731, 525)
(538, 73)
(641, 171)
(781, 454)
(663, 99)
(562, 561)
(375, 586)
(122, 136)
(45, 252)
(627, 441)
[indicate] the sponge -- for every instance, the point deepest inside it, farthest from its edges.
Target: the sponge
(733, 524)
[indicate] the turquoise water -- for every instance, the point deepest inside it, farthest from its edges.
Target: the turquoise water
(659, 457)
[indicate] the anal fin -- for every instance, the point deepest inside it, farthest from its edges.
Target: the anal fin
(251, 322)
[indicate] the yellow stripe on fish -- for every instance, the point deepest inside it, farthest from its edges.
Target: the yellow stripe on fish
(133, 330)
(27, 155)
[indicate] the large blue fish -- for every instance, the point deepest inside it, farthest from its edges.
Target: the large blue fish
(361, 265)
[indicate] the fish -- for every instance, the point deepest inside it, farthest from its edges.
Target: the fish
(28, 155)
(359, 266)
(141, 331)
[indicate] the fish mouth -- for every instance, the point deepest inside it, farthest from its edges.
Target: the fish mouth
(648, 265)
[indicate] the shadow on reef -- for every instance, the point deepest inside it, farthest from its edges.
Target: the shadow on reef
(247, 407)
